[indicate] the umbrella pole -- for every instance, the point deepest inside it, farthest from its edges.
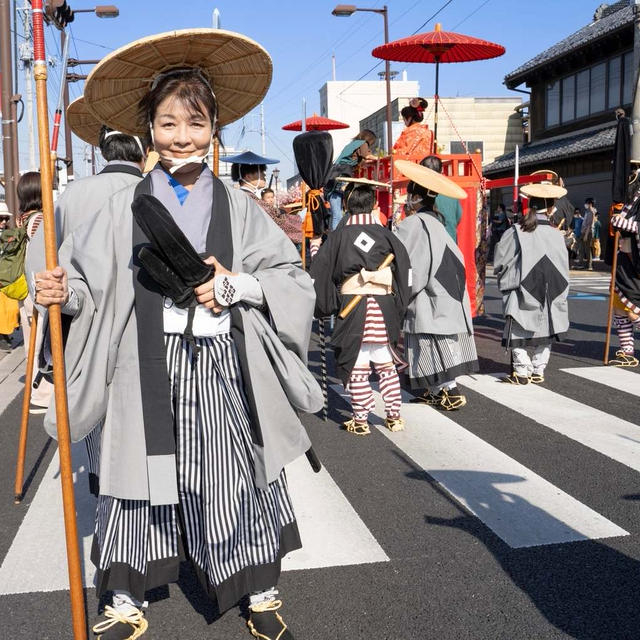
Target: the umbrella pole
(24, 419)
(78, 618)
(612, 293)
(435, 113)
(303, 249)
(216, 157)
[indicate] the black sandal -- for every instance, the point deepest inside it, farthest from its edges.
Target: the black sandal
(514, 378)
(266, 623)
(118, 626)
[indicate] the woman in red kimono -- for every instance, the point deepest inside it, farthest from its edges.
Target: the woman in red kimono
(416, 140)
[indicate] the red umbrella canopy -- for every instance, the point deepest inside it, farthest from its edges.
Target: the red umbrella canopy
(316, 123)
(438, 46)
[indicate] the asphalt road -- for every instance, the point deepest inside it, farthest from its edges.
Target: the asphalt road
(516, 518)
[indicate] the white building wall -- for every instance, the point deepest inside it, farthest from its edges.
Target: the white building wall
(350, 102)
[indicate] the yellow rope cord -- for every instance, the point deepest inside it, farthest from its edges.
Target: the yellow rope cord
(113, 617)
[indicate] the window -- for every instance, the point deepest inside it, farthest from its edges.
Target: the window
(553, 104)
(568, 99)
(603, 86)
(615, 82)
(582, 94)
(598, 87)
(628, 88)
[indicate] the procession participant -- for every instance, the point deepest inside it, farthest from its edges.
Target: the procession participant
(438, 329)
(347, 265)
(198, 421)
(354, 154)
(449, 208)
(125, 156)
(248, 171)
(626, 301)
(416, 140)
(532, 268)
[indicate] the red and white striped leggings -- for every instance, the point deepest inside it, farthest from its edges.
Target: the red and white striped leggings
(624, 327)
(359, 387)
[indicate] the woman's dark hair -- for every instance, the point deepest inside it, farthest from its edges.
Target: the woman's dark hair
(119, 146)
(432, 162)
(414, 111)
(239, 171)
(30, 192)
(360, 199)
(187, 85)
(529, 221)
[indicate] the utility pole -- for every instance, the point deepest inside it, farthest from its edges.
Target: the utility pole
(8, 129)
(26, 55)
(68, 148)
(263, 133)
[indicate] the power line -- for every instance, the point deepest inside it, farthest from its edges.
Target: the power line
(375, 66)
(96, 44)
(471, 14)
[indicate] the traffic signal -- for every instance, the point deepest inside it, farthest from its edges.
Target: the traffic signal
(58, 12)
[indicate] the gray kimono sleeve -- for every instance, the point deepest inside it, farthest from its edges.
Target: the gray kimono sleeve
(507, 262)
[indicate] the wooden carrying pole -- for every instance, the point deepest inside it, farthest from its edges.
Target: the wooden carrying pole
(24, 419)
(55, 324)
(612, 293)
(356, 299)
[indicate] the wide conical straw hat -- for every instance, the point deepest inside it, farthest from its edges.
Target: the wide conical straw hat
(544, 190)
(365, 181)
(238, 69)
(83, 123)
(430, 179)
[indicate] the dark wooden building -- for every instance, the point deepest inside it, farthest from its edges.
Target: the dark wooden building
(575, 86)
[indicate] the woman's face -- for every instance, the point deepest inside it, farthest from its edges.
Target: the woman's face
(178, 132)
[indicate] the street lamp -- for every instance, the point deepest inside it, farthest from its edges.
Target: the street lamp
(102, 11)
(275, 173)
(346, 10)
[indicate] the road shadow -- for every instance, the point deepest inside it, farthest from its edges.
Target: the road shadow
(586, 589)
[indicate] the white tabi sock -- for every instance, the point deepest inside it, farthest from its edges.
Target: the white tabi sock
(125, 604)
(258, 597)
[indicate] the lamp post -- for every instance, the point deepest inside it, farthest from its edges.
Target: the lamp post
(275, 173)
(346, 10)
(101, 11)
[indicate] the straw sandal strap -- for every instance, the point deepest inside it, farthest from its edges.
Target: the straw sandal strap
(623, 359)
(113, 617)
(451, 402)
(536, 378)
(270, 606)
(357, 428)
(514, 378)
(427, 398)
(394, 424)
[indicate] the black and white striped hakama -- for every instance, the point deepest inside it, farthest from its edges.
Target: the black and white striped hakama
(436, 359)
(234, 533)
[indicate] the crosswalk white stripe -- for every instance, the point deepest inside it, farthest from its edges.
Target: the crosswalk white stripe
(332, 532)
(12, 368)
(626, 381)
(518, 505)
(613, 437)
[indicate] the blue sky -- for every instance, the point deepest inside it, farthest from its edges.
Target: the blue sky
(301, 36)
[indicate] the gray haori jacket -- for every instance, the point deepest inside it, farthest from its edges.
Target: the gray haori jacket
(533, 276)
(440, 303)
(115, 356)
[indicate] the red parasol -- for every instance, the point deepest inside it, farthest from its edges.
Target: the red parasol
(316, 123)
(438, 46)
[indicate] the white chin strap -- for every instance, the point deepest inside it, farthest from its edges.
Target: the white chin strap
(119, 133)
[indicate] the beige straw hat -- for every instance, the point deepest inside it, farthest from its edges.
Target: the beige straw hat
(543, 190)
(430, 179)
(292, 205)
(371, 183)
(238, 69)
(83, 123)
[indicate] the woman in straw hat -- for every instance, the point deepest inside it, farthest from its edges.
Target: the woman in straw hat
(347, 265)
(438, 330)
(532, 268)
(175, 353)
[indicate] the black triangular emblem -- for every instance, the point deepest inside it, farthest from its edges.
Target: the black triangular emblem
(544, 281)
(451, 274)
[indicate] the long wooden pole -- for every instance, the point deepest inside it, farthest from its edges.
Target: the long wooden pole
(24, 419)
(55, 323)
(612, 284)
